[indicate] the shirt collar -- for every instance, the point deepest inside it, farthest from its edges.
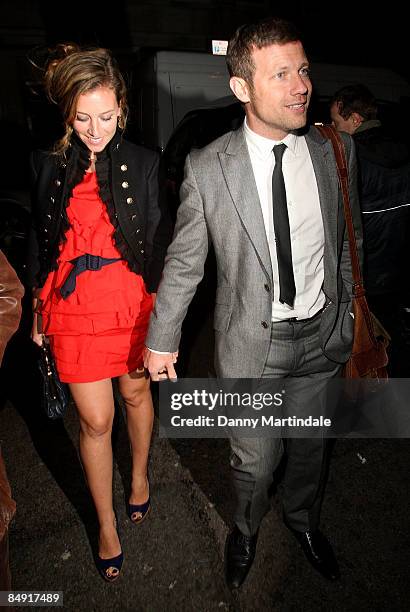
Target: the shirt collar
(263, 146)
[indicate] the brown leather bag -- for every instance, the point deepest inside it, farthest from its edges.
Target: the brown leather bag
(11, 292)
(7, 504)
(369, 355)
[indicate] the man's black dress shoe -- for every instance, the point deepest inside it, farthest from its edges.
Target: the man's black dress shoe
(239, 555)
(318, 552)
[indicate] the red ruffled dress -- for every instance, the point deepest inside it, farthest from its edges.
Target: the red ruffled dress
(99, 330)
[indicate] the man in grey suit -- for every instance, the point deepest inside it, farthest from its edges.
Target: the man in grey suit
(271, 319)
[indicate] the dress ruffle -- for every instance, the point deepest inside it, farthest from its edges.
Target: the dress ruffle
(99, 330)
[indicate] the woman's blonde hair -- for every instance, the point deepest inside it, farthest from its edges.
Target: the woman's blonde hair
(72, 71)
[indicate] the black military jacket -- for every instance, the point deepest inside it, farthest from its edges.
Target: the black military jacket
(127, 176)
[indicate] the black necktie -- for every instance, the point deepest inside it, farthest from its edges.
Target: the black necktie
(282, 231)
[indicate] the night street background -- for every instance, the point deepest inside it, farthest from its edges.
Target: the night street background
(175, 560)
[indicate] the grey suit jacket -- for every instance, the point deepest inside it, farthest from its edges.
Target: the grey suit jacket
(220, 203)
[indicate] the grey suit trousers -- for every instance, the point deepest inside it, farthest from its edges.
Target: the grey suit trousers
(295, 356)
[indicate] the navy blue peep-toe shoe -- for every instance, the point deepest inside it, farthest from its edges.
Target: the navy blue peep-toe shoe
(110, 568)
(138, 512)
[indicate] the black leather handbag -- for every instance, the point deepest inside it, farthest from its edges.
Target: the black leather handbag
(54, 394)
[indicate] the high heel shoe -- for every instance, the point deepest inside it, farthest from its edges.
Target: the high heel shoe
(138, 512)
(110, 569)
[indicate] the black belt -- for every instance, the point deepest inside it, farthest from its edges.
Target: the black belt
(81, 264)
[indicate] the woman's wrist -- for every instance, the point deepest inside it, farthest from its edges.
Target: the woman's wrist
(36, 305)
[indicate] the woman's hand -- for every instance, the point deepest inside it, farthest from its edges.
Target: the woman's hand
(36, 335)
(37, 328)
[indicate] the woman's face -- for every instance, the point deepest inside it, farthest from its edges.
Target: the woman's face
(95, 121)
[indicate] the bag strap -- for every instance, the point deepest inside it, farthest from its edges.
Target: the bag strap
(329, 132)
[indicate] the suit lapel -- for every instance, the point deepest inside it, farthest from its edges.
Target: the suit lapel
(324, 167)
(237, 170)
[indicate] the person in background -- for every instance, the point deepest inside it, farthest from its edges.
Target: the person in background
(384, 190)
(96, 253)
(11, 294)
(283, 299)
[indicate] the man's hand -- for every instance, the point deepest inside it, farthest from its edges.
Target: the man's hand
(160, 365)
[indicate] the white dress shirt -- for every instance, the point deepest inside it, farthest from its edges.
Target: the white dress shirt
(305, 220)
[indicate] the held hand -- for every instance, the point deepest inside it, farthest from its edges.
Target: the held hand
(160, 365)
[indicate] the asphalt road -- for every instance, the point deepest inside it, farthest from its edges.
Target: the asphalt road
(174, 560)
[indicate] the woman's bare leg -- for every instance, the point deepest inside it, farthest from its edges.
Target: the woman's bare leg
(135, 390)
(95, 405)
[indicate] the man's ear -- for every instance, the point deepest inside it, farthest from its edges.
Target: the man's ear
(240, 88)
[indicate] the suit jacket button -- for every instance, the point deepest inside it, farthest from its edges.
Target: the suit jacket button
(124, 167)
(267, 288)
(264, 325)
(124, 185)
(129, 200)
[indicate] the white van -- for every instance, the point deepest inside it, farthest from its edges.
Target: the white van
(168, 84)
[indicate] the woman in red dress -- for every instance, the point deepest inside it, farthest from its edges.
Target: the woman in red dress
(97, 248)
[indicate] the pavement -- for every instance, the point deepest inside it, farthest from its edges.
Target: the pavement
(174, 560)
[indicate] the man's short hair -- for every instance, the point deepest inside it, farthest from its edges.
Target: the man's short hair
(356, 98)
(261, 34)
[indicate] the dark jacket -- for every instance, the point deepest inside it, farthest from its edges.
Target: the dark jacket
(384, 187)
(127, 176)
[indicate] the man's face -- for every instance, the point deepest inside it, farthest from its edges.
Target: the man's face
(277, 101)
(341, 124)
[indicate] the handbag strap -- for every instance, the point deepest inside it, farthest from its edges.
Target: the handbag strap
(329, 132)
